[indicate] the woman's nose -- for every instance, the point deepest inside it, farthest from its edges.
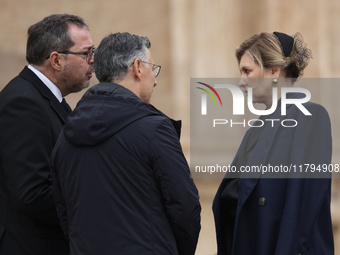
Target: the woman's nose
(242, 82)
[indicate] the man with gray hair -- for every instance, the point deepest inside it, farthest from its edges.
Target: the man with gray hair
(122, 184)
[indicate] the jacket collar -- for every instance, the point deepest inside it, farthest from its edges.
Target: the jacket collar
(31, 77)
(113, 89)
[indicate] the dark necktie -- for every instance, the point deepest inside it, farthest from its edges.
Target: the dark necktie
(66, 106)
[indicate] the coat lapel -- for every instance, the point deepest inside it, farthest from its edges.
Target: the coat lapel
(263, 145)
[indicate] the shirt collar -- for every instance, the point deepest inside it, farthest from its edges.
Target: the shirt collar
(54, 89)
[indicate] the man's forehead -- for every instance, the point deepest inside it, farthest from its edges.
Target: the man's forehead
(81, 37)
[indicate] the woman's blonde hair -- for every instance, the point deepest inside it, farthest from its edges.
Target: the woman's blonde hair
(267, 51)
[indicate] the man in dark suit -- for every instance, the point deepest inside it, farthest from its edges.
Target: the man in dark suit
(32, 113)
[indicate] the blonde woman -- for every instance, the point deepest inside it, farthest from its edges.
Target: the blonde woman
(281, 216)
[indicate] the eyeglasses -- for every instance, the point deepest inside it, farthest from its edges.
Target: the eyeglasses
(155, 68)
(89, 54)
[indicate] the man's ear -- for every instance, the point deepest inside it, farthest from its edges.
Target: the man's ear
(55, 61)
(137, 68)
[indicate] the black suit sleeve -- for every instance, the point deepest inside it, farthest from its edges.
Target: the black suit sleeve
(59, 199)
(26, 144)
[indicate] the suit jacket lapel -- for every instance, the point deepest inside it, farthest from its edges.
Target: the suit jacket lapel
(59, 109)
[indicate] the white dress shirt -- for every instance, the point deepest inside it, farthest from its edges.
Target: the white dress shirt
(54, 89)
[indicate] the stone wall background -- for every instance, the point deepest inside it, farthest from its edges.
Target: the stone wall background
(192, 38)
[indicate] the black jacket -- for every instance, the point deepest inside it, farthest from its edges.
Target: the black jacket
(122, 184)
(31, 119)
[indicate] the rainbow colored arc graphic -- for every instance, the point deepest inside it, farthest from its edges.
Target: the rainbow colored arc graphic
(209, 93)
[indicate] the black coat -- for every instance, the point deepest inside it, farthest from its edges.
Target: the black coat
(285, 215)
(31, 119)
(122, 184)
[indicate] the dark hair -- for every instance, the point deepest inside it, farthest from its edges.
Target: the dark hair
(267, 51)
(116, 52)
(50, 34)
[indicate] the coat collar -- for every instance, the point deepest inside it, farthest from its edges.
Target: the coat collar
(30, 76)
(108, 89)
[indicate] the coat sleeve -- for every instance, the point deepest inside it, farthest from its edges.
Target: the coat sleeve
(58, 195)
(26, 145)
(306, 221)
(178, 189)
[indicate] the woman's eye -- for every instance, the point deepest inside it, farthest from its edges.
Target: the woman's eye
(245, 70)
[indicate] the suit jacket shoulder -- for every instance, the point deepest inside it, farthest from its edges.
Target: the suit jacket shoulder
(28, 85)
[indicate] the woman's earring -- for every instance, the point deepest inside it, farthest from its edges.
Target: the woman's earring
(275, 81)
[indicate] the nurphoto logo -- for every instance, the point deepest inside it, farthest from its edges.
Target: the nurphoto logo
(238, 99)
